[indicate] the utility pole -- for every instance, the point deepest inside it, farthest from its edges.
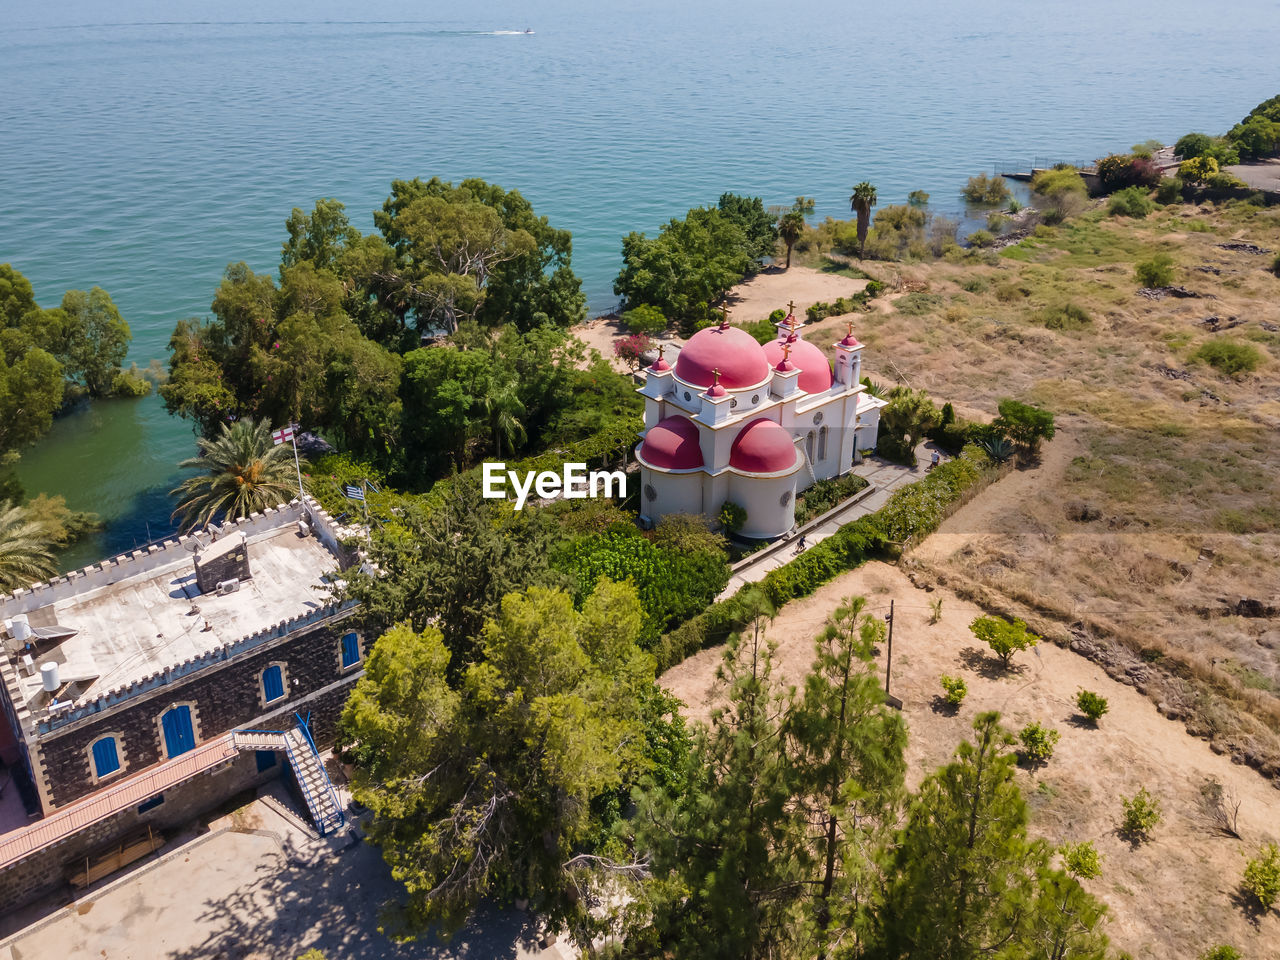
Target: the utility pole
(888, 667)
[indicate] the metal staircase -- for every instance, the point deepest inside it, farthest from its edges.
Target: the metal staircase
(317, 790)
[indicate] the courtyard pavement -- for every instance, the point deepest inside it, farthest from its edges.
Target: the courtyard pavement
(884, 477)
(257, 888)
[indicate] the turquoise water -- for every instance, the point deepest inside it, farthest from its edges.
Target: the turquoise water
(143, 156)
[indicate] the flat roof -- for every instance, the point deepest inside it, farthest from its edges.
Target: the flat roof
(130, 629)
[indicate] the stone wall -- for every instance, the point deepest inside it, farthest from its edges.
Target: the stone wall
(223, 697)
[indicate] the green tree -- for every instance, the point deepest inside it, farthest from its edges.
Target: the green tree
(1091, 705)
(910, 415)
(1141, 814)
(451, 564)
(966, 882)
(26, 549)
(918, 198)
(756, 222)
(31, 378)
(686, 266)
(96, 339)
(724, 850)
(477, 250)
(1064, 190)
(1004, 637)
(242, 471)
(644, 319)
(848, 763)
(1082, 859)
(320, 238)
(861, 201)
(790, 228)
(1193, 145)
(1038, 742)
(486, 789)
(1156, 272)
(1198, 169)
(1024, 424)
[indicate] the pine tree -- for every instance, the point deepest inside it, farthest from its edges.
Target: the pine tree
(848, 766)
(965, 881)
(725, 849)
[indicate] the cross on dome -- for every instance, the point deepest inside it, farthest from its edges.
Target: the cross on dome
(715, 390)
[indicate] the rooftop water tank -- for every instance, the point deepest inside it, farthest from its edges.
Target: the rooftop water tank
(49, 677)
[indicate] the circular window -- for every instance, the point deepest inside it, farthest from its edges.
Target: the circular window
(817, 417)
(755, 399)
(733, 403)
(785, 498)
(688, 396)
(650, 494)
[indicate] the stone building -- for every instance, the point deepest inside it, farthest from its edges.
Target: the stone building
(735, 421)
(143, 691)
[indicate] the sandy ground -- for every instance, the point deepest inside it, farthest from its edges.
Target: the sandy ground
(1169, 898)
(755, 299)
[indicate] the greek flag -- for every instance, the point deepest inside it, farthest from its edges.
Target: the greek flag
(354, 493)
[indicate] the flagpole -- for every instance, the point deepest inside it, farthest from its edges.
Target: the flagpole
(364, 501)
(302, 497)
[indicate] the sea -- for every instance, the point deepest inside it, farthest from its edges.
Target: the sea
(146, 144)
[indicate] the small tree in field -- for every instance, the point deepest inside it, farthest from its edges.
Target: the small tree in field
(1141, 815)
(1024, 425)
(1004, 638)
(955, 689)
(1038, 742)
(1156, 272)
(1091, 705)
(1222, 952)
(1082, 859)
(630, 350)
(1262, 876)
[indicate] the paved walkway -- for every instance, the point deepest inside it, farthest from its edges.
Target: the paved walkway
(884, 477)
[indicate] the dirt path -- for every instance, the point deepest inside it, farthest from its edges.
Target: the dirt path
(1170, 898)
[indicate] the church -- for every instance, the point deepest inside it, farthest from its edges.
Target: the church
(734, 421)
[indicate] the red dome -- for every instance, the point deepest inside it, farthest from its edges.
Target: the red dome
(672, 444)
(731, 350)
(815, 372)
(763, 447)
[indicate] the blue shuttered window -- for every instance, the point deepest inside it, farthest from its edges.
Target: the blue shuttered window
(350, 650)
(272, 683)
(106, 759)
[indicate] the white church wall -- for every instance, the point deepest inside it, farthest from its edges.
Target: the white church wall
(770, 503)
(665, 493)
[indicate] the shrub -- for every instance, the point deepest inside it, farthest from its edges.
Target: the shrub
(999, 449)
(975, 285)
(1024, 424)
(1082, 859)
(1009, 292)
(1014, 206)
(984, 189)
(826, 494)
(1169, 190)
(935, 614)
(1222, 952)
(1229, 356)
(1005, 638)
(1092, 705)
(1065, 191)
(874, 288)
(732, 516)
(981, 238)
(1038, 742)
(1193, 145)
(1198, 169)
(1275, 265)
(130, 383)
(1262, 876)
(1156, 272)
(996, 221)
(644, 319)
(954, 689)
(1130, 202)
(1141, 814)
(631, 349)
(918, 198)
(1065, 316)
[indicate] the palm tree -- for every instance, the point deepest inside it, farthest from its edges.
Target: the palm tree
(503, 407)
(25, 552)
(790, 228)
(243, 472)
(863, 199)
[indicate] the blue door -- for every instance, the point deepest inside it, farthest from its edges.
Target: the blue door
(178, 735)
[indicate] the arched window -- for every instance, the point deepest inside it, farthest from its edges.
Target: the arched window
(808, 446)
(272, 683)
(350, 650)
(822, 444)
(106, 757)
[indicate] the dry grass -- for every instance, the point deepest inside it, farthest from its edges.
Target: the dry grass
(1164, 509)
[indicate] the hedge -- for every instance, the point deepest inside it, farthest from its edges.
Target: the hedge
(912, 512)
